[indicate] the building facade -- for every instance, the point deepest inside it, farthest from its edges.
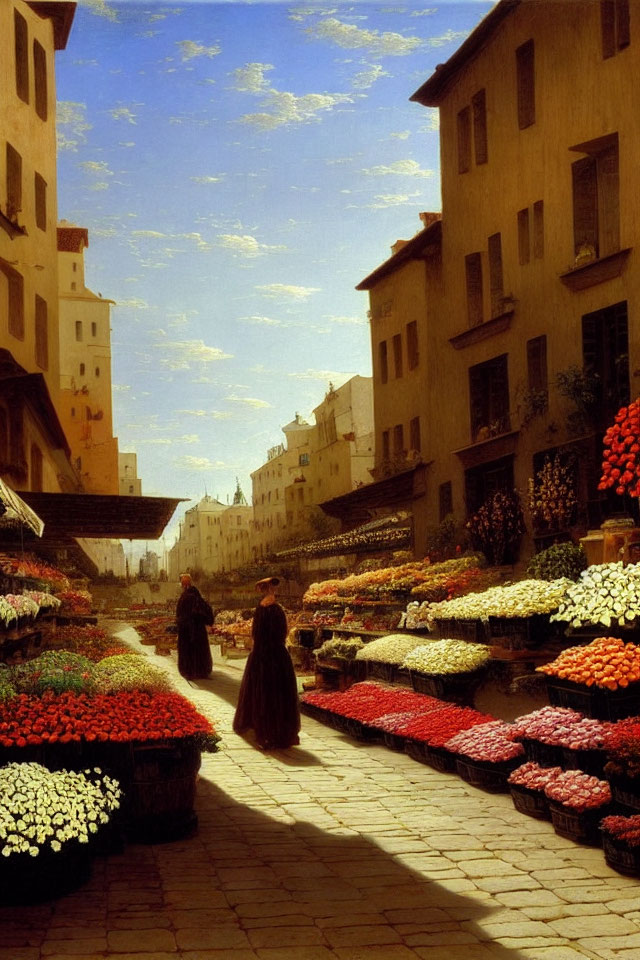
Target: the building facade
(531, 302)
(85, 403)
(129, 483)
(34, 453)
(213, 537)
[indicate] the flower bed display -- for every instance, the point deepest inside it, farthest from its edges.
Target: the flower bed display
(29, 567)
(47, 822)
(343, 648)
(566, 560)
(527, 785)
(485, 755)
(75, 602)
(448, 669)
(605, 594)
(46, 601)
(602, 679)
(562, 736)
(391, 649)
(577, 802)
(130, 671)
(91, 642)
(621, 843)
(56, 671)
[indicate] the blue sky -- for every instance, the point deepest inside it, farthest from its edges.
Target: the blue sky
(241, 167)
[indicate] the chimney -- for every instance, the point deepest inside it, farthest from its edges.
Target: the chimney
(429, 218)
(398, 245)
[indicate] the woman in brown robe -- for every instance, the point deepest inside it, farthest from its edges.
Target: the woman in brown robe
(268, 698)
(192, 615)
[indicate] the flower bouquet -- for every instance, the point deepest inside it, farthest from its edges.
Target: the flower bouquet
(527, 785)
(577, 802)
(621, 843)
(47, 822)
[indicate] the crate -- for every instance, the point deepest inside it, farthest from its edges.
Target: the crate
(473, 631)
(620, 856)
(377, 670)
(393, 740)
(356, 670)
(456, 687)
(589, 761)
(593, 701)
(440, 759)
(360, 731)
(487, 776)
(533, 803)
(519, 633)
(416, 750)
(625, 792)
(581, 827)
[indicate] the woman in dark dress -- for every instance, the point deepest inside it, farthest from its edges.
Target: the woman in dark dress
(268, 698)
(192, 614)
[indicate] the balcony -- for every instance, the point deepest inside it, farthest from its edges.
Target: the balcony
(596, 270)
(489, 328)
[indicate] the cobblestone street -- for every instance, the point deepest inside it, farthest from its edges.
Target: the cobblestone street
(337, 851)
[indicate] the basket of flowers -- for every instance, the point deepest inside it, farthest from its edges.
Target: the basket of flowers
(486, 755)
(527, 784)
(559, 736)
(578, 802)
(447, 669)
(621, 843)
(622, 770)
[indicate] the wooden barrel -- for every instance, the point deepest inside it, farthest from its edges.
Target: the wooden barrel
(160, 793)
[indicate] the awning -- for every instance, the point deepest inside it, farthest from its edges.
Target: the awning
(392, 493)
(93, 515)
(14, 512)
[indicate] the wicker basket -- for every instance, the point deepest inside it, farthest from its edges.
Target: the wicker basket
(360, 731)
(533, 803)
(416, 750)
(393, 740)
(620, 856)
(593, 701)
(545, 754)
(455, 687)
(378, 670)
(473, 631)
(487, 776)
(519, 633)
(582, 827)
(440, 759)
(625, 792)
(160, 794)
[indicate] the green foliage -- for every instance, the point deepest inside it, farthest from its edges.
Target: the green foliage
(55, 670)
(497, 527)
(7, 689)
(560, 560)
(447, 540)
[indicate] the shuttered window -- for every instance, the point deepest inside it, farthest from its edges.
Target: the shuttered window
(386, 447)
(525, 73)
(40, 79)
(496, 283)
(538, 229)
(13, 287)
(473, 276)
(42, 334)
(398, 440)
(524, 244)
(445, 500)
(479, 108)
(413, 353)
(21, 49)
(40, 191)
(383, 361)
(397, 355)
(464, 140)
(414, 434)
(596, 198)
(483, 481)
(615, 24)
(605, 357)
(489, 398)
(14, 182)
(537, 364)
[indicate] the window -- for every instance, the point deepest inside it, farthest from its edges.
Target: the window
(496, 285)
(489, 398)
(524, 246)
(596, 203)
(303, 460)
(398, 440)
(40, 191)
(383, 361)
(525, 70)
(386, 446)
(94, 329)
(614, 18)
(464, 140)
(97, 371)
(397, 355)
(12, 282)
(36, 468)
(605, 355)
(473, 274)
(82, 369)
(413, 355)
(21, 39)
(73, 411)
(414, 434)
(14, 183)
(73, 286)
(42, 334)
(78, 329)
(479, 108)
(537, 364)
(445, 500)
(40, 79)
(538, 230)
(483, 481)
(75, 267)
(130, 489)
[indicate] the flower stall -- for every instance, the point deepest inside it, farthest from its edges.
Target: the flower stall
(448, 669)
(605, 595)
(527, 784)
(384, 656)
(486, 754)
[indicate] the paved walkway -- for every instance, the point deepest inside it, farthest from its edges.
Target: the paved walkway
(337, 851)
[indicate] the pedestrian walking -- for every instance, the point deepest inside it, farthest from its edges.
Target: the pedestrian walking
(193, 615)
(268, 698)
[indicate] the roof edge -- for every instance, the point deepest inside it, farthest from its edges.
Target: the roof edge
(61, 13)
(431, 93)
(411, 250)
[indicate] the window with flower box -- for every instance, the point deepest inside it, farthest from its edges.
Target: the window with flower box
(596, 199)
(489, 398)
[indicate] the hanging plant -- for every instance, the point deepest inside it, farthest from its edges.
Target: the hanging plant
(551, 496)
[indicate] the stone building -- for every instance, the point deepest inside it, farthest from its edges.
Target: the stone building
(85, 368)
(129, 482)
(213, 537)
(525, 295)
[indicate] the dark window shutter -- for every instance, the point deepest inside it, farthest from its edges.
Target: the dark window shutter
(585, 203)
(609, 203)
(623, 30)
(496, 283)
(537, 363)
(525, 73)
(464, 140)
(479, 107)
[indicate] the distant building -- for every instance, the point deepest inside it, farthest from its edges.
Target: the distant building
(149, 566)
(85, 368)
(213, 537)
(129, 482)
(108, 555)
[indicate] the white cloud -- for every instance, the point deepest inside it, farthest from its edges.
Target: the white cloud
(301, 13)
(184, 354)
(350, 37)
(120, 387)
(287, 291)
(328, 376)
(262, 321)
(400, 168)
(251, 77)
(351, 321)
(206, 179)
(245, 246)
(401, 135)
(97, 168)
(249, 401)
(151, 234)
(98, 185)
(198, 463)
(123, 113)
(432, 119)
(190, 49)
(71, 124)
(134, 303)
(451, 36)
(423, 13)
(367, 77)
(288, 108)
(129, 143)
(382, 201)
(100, 8)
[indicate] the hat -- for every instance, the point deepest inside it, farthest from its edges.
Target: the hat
(267, 582)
